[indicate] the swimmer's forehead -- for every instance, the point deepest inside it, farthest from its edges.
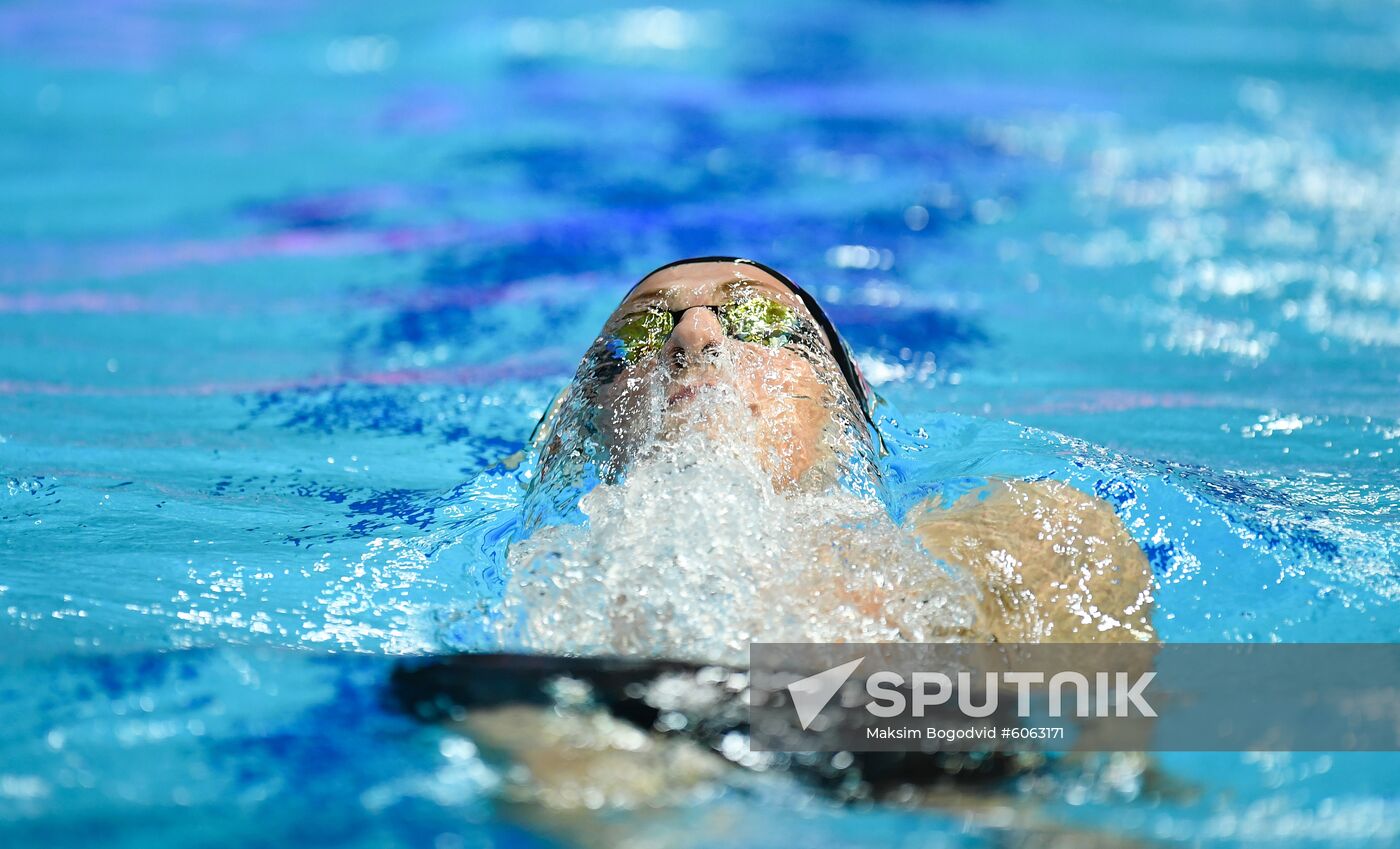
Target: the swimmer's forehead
(708, 282)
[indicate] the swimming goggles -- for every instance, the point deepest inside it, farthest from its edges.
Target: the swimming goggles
(865, 397)
(748, 318)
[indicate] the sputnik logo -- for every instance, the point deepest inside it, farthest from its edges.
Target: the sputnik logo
(811, 694)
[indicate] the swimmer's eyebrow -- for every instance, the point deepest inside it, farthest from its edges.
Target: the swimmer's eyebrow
(659, 296)
(662, 297)
(745, 285)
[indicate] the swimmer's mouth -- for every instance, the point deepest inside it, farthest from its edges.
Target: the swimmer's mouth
(685, 393)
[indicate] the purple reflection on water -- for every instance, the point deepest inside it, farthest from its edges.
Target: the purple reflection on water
(131, 35)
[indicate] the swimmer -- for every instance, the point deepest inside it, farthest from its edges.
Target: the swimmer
(720, 404)
(721, 443)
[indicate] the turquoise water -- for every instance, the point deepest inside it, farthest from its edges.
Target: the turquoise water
(279, 283)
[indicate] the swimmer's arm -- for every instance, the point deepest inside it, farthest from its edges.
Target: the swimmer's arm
(1053, 564)
(567, 774)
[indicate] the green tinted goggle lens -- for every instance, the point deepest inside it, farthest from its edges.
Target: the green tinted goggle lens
(761, 321)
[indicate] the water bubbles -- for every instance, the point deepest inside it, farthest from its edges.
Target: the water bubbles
(626, 35)
(696, 528)
(864, 256)
(916, 218)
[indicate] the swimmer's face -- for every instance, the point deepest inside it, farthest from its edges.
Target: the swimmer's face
(717, 327)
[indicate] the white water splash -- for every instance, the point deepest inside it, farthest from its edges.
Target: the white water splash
(694, 553)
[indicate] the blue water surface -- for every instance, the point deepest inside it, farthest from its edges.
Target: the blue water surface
(280, 283)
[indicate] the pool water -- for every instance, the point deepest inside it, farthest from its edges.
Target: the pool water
(281, 283)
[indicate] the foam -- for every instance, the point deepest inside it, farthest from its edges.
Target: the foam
(691, 546)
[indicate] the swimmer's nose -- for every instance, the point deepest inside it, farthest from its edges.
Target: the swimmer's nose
(697, 335)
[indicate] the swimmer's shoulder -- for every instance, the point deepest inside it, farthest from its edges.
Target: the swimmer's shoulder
(1053, 563)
